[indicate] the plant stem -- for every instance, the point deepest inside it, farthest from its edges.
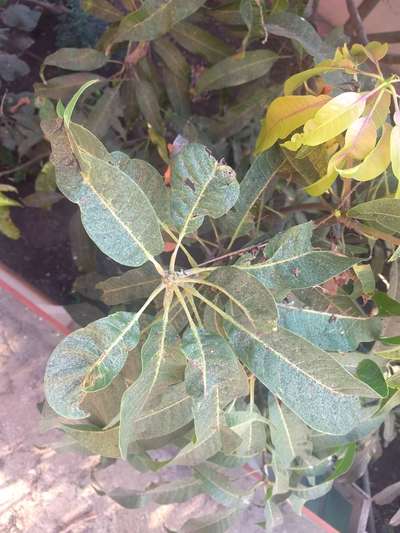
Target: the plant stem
(25, 165)
(366, 231)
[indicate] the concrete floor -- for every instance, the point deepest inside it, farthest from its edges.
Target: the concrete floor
(44, 491)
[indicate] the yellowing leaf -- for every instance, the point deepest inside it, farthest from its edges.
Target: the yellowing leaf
(379, 106)
(360, 137)
(376, 161)
(292, 83)
(286, 114)
(323, 184)
(395, 155)
(333, 118)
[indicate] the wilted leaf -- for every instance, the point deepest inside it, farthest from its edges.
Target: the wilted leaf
(155, 18)
(220, 488)
(88, 360)
(236, 70)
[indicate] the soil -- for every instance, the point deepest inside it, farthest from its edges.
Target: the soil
(384, 472)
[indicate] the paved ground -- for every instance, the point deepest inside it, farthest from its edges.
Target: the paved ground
(44, 491)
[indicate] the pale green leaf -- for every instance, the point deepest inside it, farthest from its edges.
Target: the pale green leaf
(200, 186)
(212, 363)
(290, 436)
(97, 441)
(7, 226)
(295, 81)
(102, 9)
(330, 331)
(295, 264)
(155, 18)
(88, 360)
(236, 70)
(395, 154)
(260, 177)
(250, 426)
(385, 212)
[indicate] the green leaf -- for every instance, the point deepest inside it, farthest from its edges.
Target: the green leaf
(115, 212)
(329, 330)
(292, 26)
(369, 372)
(133, 285)
(295, 81)
(200, 42)
(102, 9)
(217, 522)
(7, 226)
(155, 18)
(294, 264)
(260, 177)
(385, 212)
(220, 488)
(290, 436)
(161, 344)
(170, 412)
(250, 426)
(236, 70)
(394, 155)
(76, 59)
(97, 441)
(105, 112)
(88, 360)
(200, 186)
(69, 109)
(6, 201)
(212, 363)
(387, 306)
(148, 103)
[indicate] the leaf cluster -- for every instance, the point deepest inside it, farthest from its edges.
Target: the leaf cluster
(245, 355)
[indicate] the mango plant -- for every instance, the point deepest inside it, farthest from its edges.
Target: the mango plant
(242, 358)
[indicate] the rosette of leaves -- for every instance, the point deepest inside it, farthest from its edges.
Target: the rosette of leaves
(241, 358)
(18, 20)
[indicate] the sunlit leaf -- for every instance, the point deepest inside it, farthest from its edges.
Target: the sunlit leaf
(284, 115)
(295, 81)
(395, 154)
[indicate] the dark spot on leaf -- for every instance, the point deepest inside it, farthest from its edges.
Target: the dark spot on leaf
(190, 184)
(332, 318)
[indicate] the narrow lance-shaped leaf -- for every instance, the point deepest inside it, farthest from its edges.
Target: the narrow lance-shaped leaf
(395, 155)
(217, 522)
(261, 176)
(88, 360)
(97, 441)
(200, 42)
(155, 18)
(77, 59)
(384, 211)
(236, 70)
